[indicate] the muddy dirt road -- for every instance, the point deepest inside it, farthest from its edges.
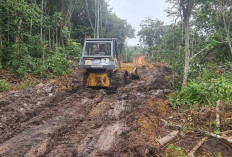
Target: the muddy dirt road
(48, 121)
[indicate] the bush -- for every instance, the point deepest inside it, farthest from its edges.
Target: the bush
(203, 93)
(74, 48)
(4, 85)
(58, 64)
(176, 151)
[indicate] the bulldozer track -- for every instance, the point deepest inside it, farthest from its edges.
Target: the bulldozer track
(47, 121)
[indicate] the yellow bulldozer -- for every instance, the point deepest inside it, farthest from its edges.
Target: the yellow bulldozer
(100, 65)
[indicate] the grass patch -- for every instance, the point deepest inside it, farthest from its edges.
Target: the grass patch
(4, 85)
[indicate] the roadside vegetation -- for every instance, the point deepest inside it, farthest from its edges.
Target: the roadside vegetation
(197, 47)
(209, 47)
(44, 38)
(4, 85)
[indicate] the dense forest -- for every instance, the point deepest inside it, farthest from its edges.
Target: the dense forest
(39, 37)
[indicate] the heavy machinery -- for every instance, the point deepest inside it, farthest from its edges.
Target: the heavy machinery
(100, 65)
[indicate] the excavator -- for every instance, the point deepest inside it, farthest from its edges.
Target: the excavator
(100, 65)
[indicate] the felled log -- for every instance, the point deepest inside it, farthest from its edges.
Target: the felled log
(168, 138)
(199, 144)
(217, 136)
(226, 132)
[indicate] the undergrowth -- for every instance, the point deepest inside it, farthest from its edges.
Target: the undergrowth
(211, 85)
(4, 85)
(43, 62)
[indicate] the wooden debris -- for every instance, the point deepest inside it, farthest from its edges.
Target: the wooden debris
(203, 132)
(199, 144)
(226, 132)
(171, 125)
(218, 114)
(168, 138)
(217, 136)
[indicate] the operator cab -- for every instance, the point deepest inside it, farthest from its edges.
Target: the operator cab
(100, 54)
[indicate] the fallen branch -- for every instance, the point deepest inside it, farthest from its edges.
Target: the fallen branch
(217, 136)
(202, 50)
(218, 114)
(199, 144)
(170, 125)
(226, 132)
(168, 138)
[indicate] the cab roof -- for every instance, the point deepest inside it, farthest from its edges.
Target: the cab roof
(102, 39)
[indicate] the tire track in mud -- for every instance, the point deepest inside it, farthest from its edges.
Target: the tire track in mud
(58, 118)
(86, 123)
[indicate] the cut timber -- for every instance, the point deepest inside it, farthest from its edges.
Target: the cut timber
(217, 136)
(169, 125)
(218, 114)
(168, 138)
(226, 132)
(199, 144)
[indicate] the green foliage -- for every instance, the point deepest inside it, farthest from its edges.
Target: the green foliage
(204, 90)
(58, 64)
(65, 32)
(176, 151)
(117, 28)
(151, 31)
(40, 42)
(130, 52)
(74, 49)
(4, 85)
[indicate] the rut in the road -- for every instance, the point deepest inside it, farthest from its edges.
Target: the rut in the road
(85, 123)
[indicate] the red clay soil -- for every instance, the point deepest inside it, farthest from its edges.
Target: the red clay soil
(48, 121)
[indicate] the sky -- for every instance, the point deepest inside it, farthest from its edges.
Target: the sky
(134, 11)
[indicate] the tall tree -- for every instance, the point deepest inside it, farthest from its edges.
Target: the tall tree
(187, 7)
(98, 19)
(225, 8)
(183, 9)
(151, 31)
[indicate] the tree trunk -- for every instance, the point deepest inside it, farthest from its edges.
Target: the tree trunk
(53, 39)
(90, 21)
(18, 35)
(56, 34)
(227, 32)
(98, 18)
(1, 46)
(8, 26)
(187, 7)
(41, 21)
(187, 51)
(18, 30)
(62, 40)
(101, 23)
(49, 37)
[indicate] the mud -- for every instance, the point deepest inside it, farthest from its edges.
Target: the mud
(49, 121)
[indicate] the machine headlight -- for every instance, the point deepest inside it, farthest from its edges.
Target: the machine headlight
(88, 62)
(105, 60)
